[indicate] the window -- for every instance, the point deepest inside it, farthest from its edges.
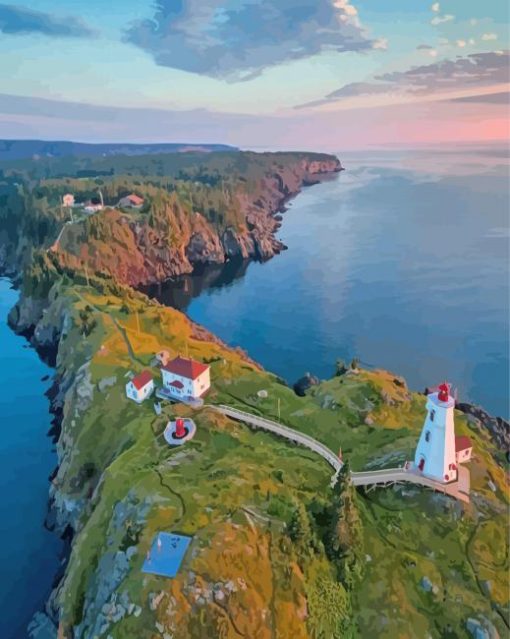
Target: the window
(432, 415)
(427, 436)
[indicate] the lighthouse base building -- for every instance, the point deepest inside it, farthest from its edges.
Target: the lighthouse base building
(436, 454)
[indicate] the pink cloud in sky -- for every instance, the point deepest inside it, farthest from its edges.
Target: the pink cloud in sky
(415, 123)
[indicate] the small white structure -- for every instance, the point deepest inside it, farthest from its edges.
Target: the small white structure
(92, 207)
(435, 454)
(131, 201)
(140, 387)
(185, 378)
(463, 449)
(163, 357)
(68, 200)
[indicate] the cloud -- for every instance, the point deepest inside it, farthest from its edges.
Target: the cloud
(461, 43)
(489, 36)
(237, 39)
(426, 47)
(435, 7)
(489, 98)
(440, 19)
(21, 21)
(473, 71)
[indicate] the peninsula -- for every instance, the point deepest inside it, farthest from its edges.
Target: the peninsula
(274, 549)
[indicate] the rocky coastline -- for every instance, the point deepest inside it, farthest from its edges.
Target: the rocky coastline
(46, 324)
(138, 254)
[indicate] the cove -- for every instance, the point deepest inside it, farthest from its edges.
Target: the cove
(29, 554)
(402, 261)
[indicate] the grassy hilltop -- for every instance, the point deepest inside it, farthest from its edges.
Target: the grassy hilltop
(242, 495)
(276, 552)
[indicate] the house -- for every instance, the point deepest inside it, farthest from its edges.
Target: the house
(131, 201)
(92, 206)
(463, 449)
(68, 200)
(185, 378)
(140, 387)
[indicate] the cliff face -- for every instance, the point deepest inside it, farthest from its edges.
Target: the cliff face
(136, 251)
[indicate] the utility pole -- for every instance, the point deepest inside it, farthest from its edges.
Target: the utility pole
(137, 322)
(278, 400)
(87, 275)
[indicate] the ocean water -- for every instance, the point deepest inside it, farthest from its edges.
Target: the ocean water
(29, 554)
(401, 261)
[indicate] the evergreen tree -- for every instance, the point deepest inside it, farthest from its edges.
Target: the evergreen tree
(344, 542)
(340, 368)
(300, 531)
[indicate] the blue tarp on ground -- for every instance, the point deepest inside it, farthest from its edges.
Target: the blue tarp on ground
(166, 557)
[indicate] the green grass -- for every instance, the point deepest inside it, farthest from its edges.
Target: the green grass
(116, 449)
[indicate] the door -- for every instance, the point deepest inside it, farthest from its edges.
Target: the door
(421, 465)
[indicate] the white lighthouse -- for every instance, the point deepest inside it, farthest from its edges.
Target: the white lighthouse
(435, 453)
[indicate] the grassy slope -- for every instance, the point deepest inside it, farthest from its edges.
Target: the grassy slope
(202, 491)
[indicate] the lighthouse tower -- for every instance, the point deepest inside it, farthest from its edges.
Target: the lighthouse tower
(435, 453)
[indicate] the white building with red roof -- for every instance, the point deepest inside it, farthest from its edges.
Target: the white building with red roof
(140, 387)
(463, 449)
(186, 378)
(131, 201)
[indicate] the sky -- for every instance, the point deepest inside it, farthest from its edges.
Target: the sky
(310, 74)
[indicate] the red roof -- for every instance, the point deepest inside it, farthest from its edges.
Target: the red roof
(135, 199)
(185, 367)
(142, 379)
(462, 443)
(177, 384)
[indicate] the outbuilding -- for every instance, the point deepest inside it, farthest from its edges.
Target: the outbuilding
(131, 201)
(140, 387)
(463, 449)
(186, 378)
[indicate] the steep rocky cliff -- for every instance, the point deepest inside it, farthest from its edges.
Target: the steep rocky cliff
(136, 250)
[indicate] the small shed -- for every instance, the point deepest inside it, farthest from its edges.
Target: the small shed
(463, 449)
(140, 387)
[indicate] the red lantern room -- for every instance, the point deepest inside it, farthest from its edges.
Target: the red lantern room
(444, 392)
(180, 430)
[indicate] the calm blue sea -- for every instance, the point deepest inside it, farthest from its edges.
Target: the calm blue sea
(29, 554)
(402, 261)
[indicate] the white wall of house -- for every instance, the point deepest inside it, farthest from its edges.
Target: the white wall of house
(139, 395)
(464, 456)
(191, 388)
(201, 384)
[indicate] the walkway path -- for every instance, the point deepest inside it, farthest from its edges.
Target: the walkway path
(459, 489)
(283, 431)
